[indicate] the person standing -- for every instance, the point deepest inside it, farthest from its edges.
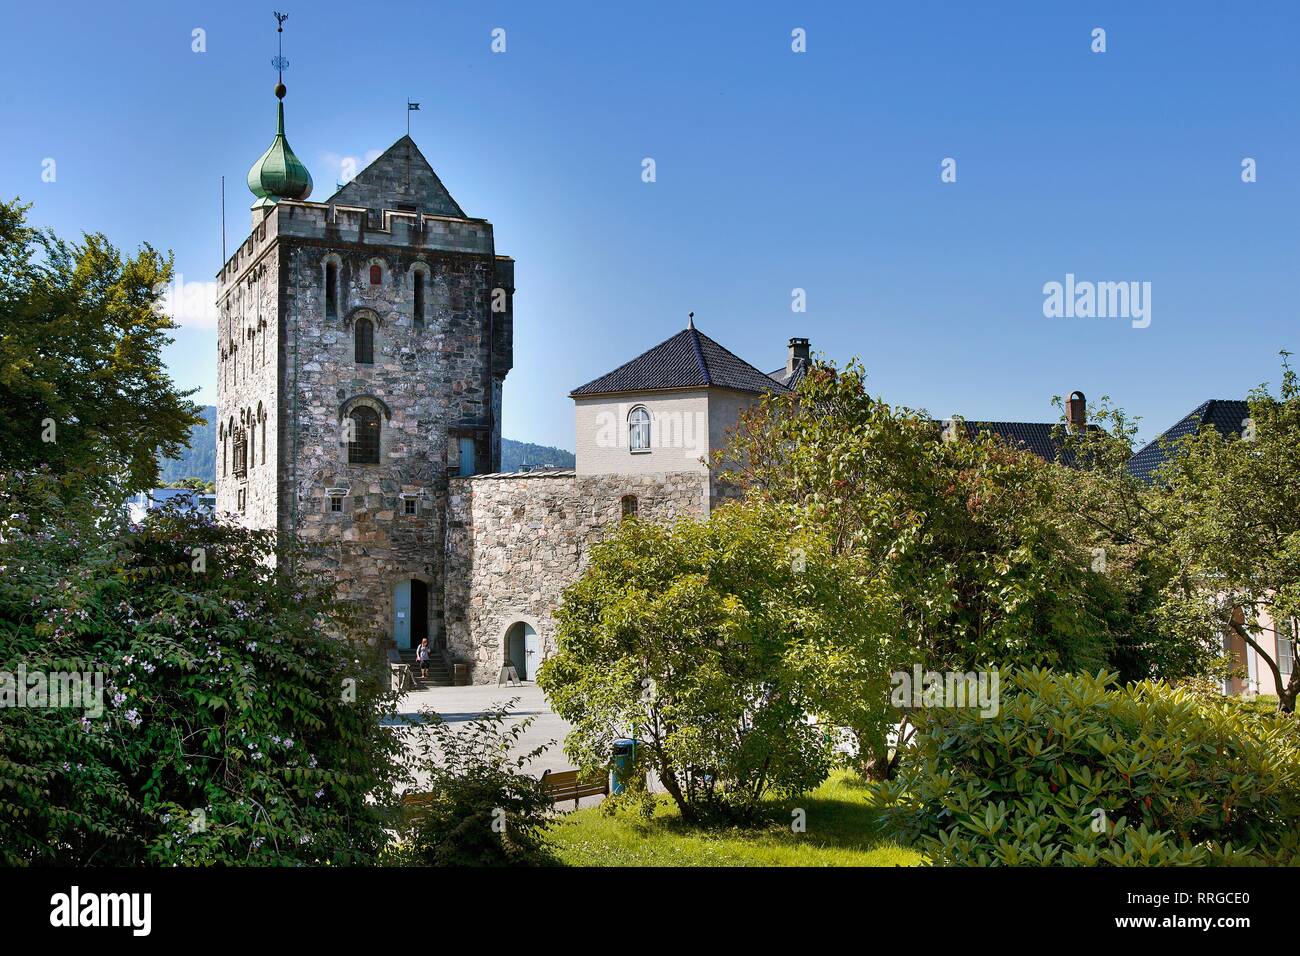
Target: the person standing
(422, 655)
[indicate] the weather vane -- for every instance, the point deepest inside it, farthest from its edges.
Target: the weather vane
(279, 62)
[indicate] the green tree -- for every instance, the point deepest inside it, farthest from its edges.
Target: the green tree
(240, 724)
(1232, 510)
(711, 643)
(1120, 519)
(968, 546)
(82, 384)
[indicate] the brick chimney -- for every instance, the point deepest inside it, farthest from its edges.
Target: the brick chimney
(798, 352)
(1076, 412)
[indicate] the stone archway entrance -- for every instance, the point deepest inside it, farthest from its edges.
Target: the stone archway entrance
(523, 649)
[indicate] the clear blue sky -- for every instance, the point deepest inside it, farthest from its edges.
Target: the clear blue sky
(775, 170)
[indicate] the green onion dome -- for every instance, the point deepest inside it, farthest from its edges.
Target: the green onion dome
(279, 174)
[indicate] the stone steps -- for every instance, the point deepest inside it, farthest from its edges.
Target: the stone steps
(439, 675)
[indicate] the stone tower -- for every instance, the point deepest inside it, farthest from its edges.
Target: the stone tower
(363, 343)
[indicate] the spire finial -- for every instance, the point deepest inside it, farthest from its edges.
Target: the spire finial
(690, 320)
(280, 63)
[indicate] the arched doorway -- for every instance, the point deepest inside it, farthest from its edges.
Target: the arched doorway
(410, 613)
(523, 649)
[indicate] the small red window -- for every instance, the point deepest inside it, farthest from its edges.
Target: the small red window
(376, 275)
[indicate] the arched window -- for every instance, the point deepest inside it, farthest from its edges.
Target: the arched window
(252, 441)
(364, 336)
(331, 290)
(364, 449)
(629, 506)
(224, 451)
(376, 274)
(638, 429)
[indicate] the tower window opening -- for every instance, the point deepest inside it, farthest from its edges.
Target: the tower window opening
(364, 450)
(376, 275)
(419, 298)
(364, 335)
(331, 290)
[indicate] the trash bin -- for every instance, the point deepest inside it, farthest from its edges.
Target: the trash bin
(624, 759)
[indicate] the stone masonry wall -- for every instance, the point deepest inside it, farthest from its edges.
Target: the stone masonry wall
(249, 339)
(514, 542)
(431, 383)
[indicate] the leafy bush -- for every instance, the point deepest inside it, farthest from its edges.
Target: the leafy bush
(1077, 771)
(239, 725)
(480, 807)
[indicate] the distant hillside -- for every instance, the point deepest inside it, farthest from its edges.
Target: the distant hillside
(200, 459)
(517, 455)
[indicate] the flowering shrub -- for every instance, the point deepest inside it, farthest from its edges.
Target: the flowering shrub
(1078, 771)
(240, 724)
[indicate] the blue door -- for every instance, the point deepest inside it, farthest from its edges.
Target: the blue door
(402, 614)
(467, 456)
(532, 653)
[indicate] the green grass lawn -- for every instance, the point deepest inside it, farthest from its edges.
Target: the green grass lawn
(840, 832)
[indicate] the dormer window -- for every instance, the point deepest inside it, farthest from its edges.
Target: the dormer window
(638, 429)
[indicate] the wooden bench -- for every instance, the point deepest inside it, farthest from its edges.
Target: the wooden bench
(565, 785)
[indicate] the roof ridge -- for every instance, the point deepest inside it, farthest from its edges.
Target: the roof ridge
(715, 342)
(699, 353)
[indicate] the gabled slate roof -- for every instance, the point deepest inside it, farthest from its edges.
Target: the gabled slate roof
(1226, 415)
(690, 359)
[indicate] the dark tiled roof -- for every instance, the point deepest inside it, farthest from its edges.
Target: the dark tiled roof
(1035, 437)
(790, 379)
(690, 359)
(1224, 414)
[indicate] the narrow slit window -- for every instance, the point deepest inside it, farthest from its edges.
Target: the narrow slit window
(419, 298)
(331, 290)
